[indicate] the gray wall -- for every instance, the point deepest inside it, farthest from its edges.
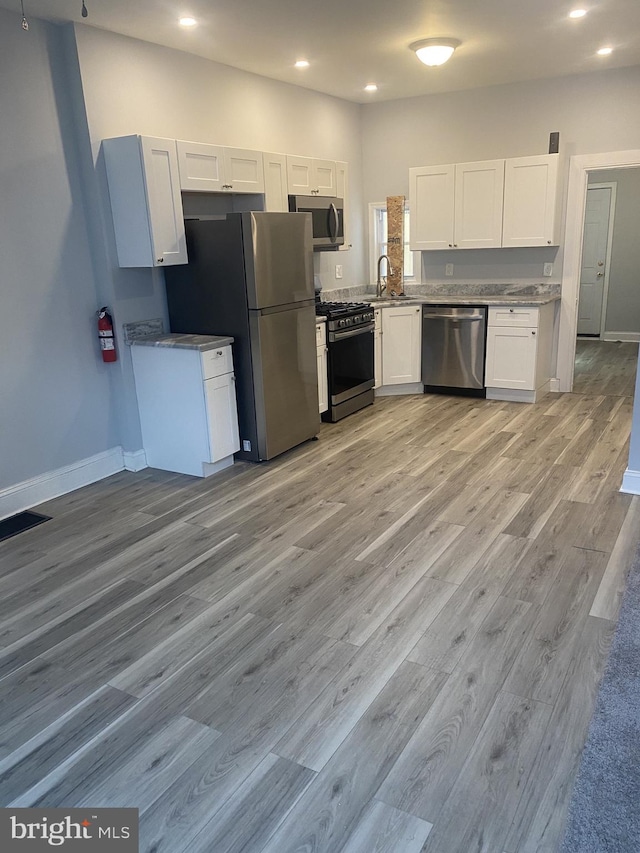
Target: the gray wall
(130, 86)
(592, 112)
(54, 389)
(623, 301)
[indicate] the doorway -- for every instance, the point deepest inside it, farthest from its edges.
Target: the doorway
(579, 168)
(596, 258)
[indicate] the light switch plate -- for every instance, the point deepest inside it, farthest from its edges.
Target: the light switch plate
(547, 269)
(338, 270)
(448, 269)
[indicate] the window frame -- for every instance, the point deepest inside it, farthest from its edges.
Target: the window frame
(374, 245)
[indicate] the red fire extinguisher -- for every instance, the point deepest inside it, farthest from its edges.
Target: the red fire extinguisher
(105, 333)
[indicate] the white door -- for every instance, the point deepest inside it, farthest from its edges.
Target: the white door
(593, 267)
(431, 194)
(220, 394)
(401, 338)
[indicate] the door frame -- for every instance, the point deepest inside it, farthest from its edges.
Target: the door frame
(579, 167)
(613, 186)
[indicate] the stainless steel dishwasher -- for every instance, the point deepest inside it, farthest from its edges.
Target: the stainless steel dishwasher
(453, 348)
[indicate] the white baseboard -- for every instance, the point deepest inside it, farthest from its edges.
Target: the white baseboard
(633, 337)
(135, 461)
(52, 484)
(631, 482)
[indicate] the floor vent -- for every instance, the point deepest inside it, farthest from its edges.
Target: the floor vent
(18, 523)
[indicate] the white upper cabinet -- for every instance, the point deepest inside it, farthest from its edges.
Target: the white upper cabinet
(457, 206)
(214, 168)
(275, 182)
(531, 201)
(431, 199)
(479, 188)
(307, 176)
(144, 188)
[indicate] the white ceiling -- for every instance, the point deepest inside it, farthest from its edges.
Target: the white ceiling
(350, 43)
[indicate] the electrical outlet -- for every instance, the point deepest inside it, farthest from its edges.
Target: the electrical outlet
(547, 269)
(448, 269)
(246, 445)
(338, 270)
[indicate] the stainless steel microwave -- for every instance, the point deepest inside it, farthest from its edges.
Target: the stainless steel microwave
(327, 216)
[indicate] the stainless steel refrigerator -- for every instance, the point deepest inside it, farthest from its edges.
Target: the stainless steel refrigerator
(250, 275)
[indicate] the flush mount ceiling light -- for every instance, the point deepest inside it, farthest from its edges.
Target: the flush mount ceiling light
(188, 22)
(371, 87)
(301, 63)
(578, 13)
(604, 51)
(434, 51)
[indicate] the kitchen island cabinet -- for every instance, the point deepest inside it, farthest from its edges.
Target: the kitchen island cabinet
(185, 387)
(146, 205)
(519, 351)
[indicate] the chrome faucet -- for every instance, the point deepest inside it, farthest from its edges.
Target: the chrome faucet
(389, 272)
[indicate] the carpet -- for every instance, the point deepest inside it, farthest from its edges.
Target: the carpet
(604, 813)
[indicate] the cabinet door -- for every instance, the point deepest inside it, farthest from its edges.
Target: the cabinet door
(306, 176)
(323, 382)
(479, 189)
(146, 205)
(222, 416)
(511, 358)
(401, 336)
(243, 171)
(531, 201)
(275, 183)
(324, 177)
(201, 166)
(431, 196)
(300, 175)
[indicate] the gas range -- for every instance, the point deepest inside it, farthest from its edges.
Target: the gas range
(344, 315)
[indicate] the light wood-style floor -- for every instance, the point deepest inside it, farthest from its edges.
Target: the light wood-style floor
(387, 641)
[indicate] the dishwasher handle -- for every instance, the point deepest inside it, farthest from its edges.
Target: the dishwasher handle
(472, 317)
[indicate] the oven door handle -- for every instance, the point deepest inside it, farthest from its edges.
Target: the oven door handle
(350, 333)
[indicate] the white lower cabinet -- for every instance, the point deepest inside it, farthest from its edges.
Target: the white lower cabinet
(377, 348)
(401, 338)
(519, 350)
(322, 363)
(187, 407)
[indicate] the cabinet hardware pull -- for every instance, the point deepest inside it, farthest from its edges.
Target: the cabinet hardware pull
(533, 333)
(451, 245)
(455, 245)
(160, 261)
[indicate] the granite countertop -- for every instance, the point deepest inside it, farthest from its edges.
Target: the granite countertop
(202, 343)
(475, 299)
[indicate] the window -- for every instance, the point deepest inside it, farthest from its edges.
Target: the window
(378, 243)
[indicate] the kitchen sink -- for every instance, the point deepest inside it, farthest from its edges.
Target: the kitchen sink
(388, 298)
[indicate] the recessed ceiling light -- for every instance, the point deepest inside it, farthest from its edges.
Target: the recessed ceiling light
(371, 87)
(605, 51)
(578, 13)
(187, 22)
(302, 63)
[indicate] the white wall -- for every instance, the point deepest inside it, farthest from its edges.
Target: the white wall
(592, 112)
(130, 86)
(623, 301)
(54, 389)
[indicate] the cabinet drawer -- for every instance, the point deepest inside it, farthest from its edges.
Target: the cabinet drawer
(217, 361)
(321, 334)
(503, 315)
